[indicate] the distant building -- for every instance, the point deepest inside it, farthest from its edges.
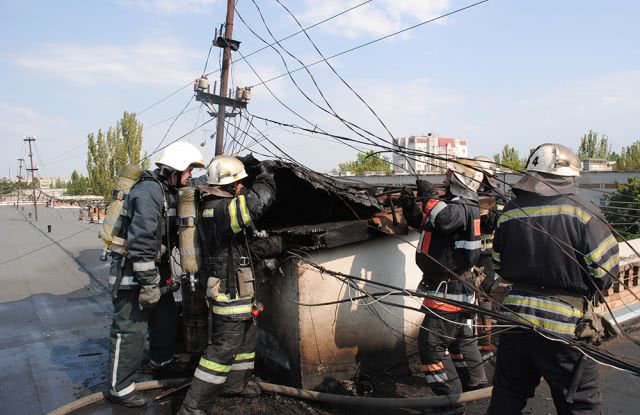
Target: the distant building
(446, 147)
(597, 165)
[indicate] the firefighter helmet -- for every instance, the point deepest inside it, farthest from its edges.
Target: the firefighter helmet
(180, 155)
(467, 172)
(487, 164)
(225, 170)
(554, 159)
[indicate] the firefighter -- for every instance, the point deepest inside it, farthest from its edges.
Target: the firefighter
(488, 220)
(449, 242)
(143, 301)
(559, 256)
(240, 194)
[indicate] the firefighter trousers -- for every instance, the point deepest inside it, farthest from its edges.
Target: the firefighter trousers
(524, 358)
(449, 355)
(226, 365)
(128, 335)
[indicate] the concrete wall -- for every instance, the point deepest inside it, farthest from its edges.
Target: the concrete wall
(305, 345)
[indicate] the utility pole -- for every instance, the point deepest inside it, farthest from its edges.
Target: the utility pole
(224, 77)
(33, 178)
(201, 85)
(20, 161)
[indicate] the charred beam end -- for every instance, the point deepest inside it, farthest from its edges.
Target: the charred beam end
(220, 100)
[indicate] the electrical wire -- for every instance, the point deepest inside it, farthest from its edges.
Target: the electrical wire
(172, 124)
(371, 42)
(596, 288)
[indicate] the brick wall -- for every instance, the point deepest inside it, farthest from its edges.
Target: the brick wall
(626, 291)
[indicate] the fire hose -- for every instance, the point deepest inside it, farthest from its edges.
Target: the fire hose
(329, 398)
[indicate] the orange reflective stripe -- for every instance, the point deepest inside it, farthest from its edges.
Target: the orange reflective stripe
(434, 367)
(438, 305)
(426, 241)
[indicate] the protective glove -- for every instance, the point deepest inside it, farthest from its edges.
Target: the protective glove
(406, 199)
(149, 295)
(251, 164)
(268, 167)
(425, 189)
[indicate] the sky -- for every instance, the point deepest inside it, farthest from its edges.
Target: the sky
(503, 72)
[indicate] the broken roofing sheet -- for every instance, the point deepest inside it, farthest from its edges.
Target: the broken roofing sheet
(317, 211)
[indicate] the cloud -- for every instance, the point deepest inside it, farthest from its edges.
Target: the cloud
(171, 6)
(376, 18)
(157, 62)
(23, 120)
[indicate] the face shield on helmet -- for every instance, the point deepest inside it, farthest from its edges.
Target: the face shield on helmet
(180, 156)
(487, 164)
(554, 159)
(225, 170)
(467, 173)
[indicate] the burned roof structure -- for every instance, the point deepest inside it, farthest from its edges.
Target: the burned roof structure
(314, 211)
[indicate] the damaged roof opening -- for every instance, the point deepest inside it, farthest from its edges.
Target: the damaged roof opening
(315, 211)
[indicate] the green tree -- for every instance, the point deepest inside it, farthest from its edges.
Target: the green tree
(629, 158)
(59, 183)
(78, 185)
(367, 161)
(594, 146)
(624, 204)
(510, 158)
(107, 153)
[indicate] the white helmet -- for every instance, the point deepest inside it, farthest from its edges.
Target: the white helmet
(180, 155)
(468, 172)
(554, 159)
(487, 164)
(225, 170)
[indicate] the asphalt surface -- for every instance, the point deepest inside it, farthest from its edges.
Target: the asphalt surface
(55, 315)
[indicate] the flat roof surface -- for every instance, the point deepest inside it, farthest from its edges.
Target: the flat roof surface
(55, 310)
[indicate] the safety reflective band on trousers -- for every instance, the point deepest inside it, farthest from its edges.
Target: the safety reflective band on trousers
(126, 281)
(555, 316)
(435, 372)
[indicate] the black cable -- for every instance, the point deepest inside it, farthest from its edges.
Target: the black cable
(607, 357)
(164, 99)
(172, 124)
(379, 39)
(253, 53)
(331, 110)
(206, 62)
(375, 114)
(177, 139)
(298, 32)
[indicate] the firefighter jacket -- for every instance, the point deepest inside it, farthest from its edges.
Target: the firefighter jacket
(226, 225)
(555, 250)
(150, 229)
(489, 221)
(449, 242)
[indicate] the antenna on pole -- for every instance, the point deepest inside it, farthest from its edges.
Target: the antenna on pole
(33, 178)
(20, 162)
(202, 86)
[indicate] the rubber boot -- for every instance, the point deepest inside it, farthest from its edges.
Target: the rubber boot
(250, 390)
(131, 400)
